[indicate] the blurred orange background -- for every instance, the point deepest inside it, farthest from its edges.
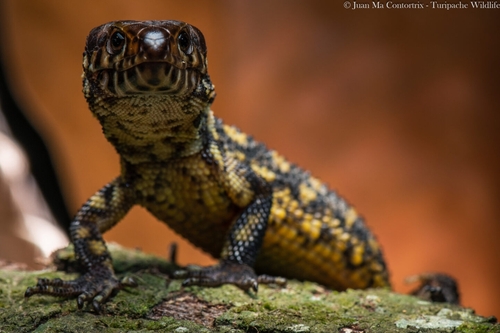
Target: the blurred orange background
(396, 109)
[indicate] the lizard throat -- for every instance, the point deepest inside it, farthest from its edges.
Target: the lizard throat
(152, 128)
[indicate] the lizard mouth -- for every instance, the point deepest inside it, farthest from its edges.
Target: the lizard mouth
(149, 78)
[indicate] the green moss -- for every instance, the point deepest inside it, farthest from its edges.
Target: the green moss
(301, 307)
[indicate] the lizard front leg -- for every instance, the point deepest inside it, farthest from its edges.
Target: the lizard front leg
(244, 238)
(102, 211)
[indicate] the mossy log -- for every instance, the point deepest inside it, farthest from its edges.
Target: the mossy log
(162, 305)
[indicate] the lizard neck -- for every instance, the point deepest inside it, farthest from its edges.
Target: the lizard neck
(150, 129)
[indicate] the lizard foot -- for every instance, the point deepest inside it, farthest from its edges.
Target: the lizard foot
(436, 287)
(95, 287)
(226, 272)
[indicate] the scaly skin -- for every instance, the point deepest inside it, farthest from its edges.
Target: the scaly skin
(147, 84)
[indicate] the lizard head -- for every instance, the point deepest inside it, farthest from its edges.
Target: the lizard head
(146, 58)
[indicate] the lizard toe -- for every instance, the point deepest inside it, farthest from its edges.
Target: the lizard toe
(226, 272)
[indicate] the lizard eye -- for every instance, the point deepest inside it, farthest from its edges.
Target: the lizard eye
(116, 42)
(184, 42)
